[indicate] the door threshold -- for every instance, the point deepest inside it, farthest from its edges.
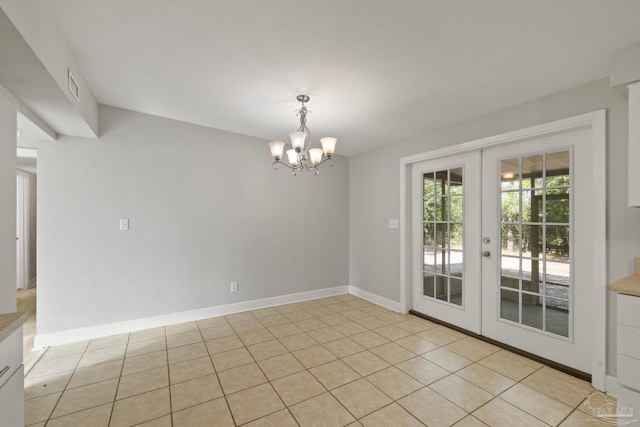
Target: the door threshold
(550, 363)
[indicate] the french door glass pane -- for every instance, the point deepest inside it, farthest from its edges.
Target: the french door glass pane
(429, 234)
(429, 211)
(428, 289)
(442, 235)
(429, 259)
(510, 207)
(535, 241)
(442, 291)
(443, 225)
(532, 310)
(441, 261)
(557, 317)
(510, 173)
(532, 168)
(532, 206)
(442, 208)
(456, 263)
(557, 243)
(532, 240)
(510, 272)
(455, 289)
(428, 184)
(557, 208)
(510, 305)
(455, 208)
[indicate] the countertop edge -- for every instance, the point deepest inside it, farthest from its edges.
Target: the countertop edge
(630, 285)
(10, 322)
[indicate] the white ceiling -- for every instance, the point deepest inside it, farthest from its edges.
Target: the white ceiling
(377, 71)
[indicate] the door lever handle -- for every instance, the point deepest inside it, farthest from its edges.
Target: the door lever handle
(486, 254)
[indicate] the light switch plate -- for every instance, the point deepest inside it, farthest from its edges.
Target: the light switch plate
(394, 223)
(124, 223)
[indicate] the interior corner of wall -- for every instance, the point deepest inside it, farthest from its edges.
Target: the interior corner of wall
(375, 298)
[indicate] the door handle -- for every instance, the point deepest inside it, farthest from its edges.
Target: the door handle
(486, 254)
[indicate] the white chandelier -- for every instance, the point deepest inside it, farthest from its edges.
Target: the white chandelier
(301, 156)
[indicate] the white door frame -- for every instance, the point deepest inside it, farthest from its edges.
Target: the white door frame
(596, 122)
(23, 177)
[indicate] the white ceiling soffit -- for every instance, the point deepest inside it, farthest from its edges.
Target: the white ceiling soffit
(377, 71)
(29, 134)
(22, 74)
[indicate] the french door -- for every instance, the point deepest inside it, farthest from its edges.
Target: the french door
(446, 272)
(508, 256)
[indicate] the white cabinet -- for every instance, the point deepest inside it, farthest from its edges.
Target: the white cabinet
(634, 145)
(12, 381)
(628, 329)
(12, 400)
(629, 341)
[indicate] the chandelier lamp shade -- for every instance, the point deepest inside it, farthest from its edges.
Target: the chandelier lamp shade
(301, 156)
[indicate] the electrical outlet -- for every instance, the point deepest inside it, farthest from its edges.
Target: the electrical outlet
(234, 286)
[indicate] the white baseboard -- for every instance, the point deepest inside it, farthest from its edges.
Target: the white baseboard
(374, 298)
(98, 331)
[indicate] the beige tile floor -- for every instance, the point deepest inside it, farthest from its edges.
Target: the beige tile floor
(328, 362)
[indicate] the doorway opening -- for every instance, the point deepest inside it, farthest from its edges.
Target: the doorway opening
(28, 136)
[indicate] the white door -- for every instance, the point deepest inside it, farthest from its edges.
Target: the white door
(521, 272)
(446, 223)
(537, 222)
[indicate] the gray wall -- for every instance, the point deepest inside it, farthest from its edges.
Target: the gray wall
(8, 111)
(205, 209)
(374, 183)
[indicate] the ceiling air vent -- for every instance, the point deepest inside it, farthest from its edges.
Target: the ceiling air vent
(73, 87)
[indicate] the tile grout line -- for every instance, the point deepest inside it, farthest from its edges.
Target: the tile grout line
(224, 395)
(166, 347)
(113, 404)
(67, 384)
